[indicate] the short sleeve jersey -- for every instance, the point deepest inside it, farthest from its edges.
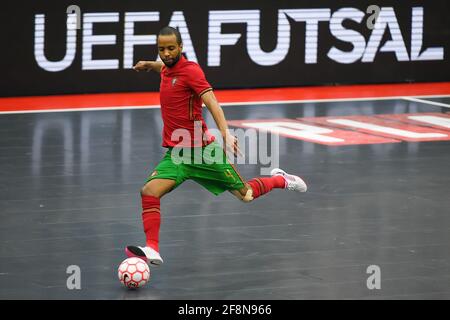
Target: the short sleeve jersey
(181, 89)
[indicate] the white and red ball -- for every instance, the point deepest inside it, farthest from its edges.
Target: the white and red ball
(134, 272)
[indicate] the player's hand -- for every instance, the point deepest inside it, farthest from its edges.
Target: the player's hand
(142, 66)
(232, 145)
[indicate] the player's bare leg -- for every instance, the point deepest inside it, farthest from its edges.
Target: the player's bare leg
(245, 194)
(151, 194)
(256, 187)
(157, 187)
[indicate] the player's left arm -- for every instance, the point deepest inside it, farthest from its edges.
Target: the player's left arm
(209, 99)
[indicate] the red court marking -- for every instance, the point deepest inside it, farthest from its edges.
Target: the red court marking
(406, 119)
(386, 127)
(105, 100)
(80, 101)
(313, 133)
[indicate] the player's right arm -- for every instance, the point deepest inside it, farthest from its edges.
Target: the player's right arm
(149, 66)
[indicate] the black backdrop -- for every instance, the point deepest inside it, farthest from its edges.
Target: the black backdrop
(23, 76)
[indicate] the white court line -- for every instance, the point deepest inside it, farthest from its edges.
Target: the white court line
(439, 104)
(326, 100)
(228, 104)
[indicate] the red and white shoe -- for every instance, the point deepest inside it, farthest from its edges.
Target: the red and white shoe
(293, 183)
(147, 254)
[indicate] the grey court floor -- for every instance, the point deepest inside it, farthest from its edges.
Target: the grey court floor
(69, 195)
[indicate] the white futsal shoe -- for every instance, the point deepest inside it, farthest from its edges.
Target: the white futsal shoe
(147, 254)
(294, 183)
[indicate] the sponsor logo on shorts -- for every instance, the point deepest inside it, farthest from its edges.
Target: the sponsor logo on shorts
(229, 175)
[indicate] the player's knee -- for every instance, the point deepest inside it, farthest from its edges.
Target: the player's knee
(248, 196)
(147, 190)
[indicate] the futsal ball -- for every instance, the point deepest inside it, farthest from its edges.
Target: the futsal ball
(134, 273)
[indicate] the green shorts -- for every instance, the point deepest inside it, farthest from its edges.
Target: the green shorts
(207, 166)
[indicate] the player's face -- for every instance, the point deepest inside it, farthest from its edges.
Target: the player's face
(169, 50)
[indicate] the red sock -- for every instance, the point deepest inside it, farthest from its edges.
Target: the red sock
(151, 217)
(264, 185)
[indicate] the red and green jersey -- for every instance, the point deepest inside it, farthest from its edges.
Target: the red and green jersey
(181, 89)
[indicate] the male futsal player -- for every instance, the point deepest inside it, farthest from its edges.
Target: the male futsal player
(183, 88)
